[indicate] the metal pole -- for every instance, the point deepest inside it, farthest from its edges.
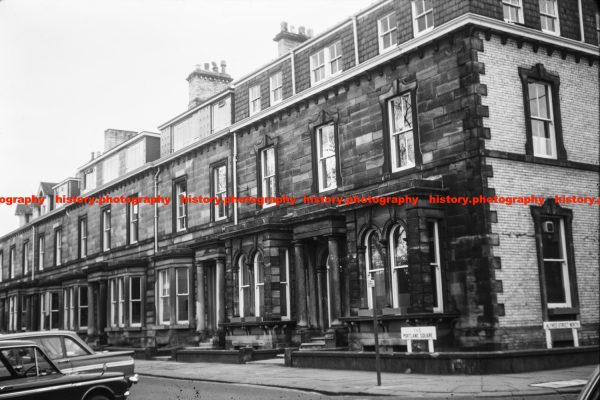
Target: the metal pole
(375, 331)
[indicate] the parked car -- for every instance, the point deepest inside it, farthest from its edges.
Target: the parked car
(591, 391)
(27, 373)
(72, 354)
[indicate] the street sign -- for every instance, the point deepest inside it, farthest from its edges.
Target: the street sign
(418, 333)
(371, 283)
(572, 325)
(411, 333)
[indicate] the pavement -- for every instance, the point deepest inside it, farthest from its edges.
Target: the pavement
(567, 381)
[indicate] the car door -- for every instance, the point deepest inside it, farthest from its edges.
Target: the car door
(33, 377)
(54, 349)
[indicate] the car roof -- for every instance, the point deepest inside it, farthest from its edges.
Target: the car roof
(35, 334)
(16, 343)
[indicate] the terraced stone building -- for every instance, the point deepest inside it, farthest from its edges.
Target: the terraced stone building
(404, 98)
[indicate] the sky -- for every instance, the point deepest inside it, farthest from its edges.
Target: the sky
(70, 69)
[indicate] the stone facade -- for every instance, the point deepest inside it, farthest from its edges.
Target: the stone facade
(269, 277)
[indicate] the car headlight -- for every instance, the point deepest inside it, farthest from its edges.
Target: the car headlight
(133, 378)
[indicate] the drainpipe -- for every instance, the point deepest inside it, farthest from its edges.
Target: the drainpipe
(156, 210)
(33, 251)
(235, 205)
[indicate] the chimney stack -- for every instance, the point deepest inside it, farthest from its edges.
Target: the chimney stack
(114, 137)
(205, 83)
(287, 39)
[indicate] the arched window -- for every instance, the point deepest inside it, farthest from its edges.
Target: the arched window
(245, 282)
(399, 267)
(375, 271)
(259, 285)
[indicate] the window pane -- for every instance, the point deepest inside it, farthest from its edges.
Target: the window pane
(182, 281)
(73, 349)
(182, 307)
(555, 286)
(136, 312)
(551, 241)
(135, 289)
(400, 248)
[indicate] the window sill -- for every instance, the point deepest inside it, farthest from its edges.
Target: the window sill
(563, 311)
(168, 327)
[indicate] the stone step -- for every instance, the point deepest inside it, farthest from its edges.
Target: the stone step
(206, 345)
(162, 358)
(315, 345)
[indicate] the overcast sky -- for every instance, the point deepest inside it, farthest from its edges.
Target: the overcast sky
(69, 69)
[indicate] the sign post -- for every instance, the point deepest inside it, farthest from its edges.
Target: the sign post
(371, 284)
(572, 325)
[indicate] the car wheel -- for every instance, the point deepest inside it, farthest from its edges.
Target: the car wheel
(98, 397)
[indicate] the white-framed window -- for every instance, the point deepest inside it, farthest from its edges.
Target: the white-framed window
(549, 16)
(110, 168)
(135, 301)
(89, 179)
(399, 264)
(267, 174)
(542, 119)
(245, 279)
(49, 310)
(435, 264)
(259, 285)
(326, 63)
(24, 313)
(374, 271)
(134, 213)
(135, 156)
(82, 307)
(41, 250)
(402, 149)
(68, 308)
(276, 88)
(326, 158)
(26, 258)
(182, 291)
(12, 313)
(164, 297)
(12, 259)
(284, 288)
(117, 302)
(513, 11)
(555, 263)
(83, 237)
(597, 26)
(387, 29)
(220, 191)
(58, 247)
(254, 99)
(422, 11)
(106, 228)
(181, 206)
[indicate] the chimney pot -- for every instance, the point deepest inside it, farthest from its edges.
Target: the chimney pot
(284, 26)
(214, 67)
(301, 30)
(223, 65)
(206, 66)
(93, 154)
(309, 32)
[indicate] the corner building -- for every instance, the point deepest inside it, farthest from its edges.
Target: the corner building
(405, 98)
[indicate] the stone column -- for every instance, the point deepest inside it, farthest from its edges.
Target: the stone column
(312, 293)
(91, 322)
(220, 291)
(301, 308)
(334, 283)
(321, 294)
(102, 302)
(200, 302)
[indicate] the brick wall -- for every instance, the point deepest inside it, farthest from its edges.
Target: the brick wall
(515, 228)
(579, 100)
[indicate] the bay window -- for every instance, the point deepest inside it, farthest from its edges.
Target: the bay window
(259, 285)
(117, 302)
(173, 305)
(284, 287)
(182, 293)
(399, 263)
(82, 307)
(164, 302)
(433, 237)
(375, 271)
(246, 301)
(135, 301)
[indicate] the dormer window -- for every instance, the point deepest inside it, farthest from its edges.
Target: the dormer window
(89, 179)
(326, 63)
(513, 11)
